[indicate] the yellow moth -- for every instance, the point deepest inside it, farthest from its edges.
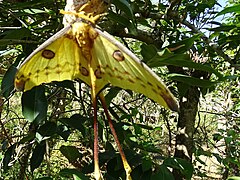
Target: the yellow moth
(69, 55)
(82, 51)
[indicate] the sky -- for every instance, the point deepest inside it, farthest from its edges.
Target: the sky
(222, 2)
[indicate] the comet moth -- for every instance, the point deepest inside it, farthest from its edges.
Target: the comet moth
(82, 51)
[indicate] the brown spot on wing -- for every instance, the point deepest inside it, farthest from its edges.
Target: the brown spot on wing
(154, 90)
(149, 83)
(143, 85)
(46, 71)
(84, 71)
(98, 73)
(127, 73)
(58, 71)
(116, 69)
(130, 80)
(48, 54)
(119, 77)
(118, 55)
(110, 74)
(138, 79)
(159, 88)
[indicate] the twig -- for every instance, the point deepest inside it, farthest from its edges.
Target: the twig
(17, 41)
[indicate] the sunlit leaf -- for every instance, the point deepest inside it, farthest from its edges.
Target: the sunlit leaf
(70, 152)
(192, 81)
(231, 9)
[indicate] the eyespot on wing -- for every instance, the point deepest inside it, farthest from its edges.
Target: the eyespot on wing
(48, 54)
(118, 55)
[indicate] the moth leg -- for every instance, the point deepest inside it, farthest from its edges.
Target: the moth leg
(125, 163)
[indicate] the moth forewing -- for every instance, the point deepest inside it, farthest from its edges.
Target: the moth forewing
(25, 68)
(139, 71)
(46, 43)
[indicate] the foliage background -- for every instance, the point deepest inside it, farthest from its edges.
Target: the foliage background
(193, 45)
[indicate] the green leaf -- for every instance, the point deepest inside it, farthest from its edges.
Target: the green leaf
(8, 155)
(225, 28)
(29, 137)
(8, 52)
(217, 137)
(124, 6)
(193, 65)
(148, 52)
(182, 88)
(234, 178)
(34, 105)
(34, 11)
(164, 174)
(4, 144)
(48, 129)
(44, 178)
(232, 9)
(112, 93)
(155, 58)
(37, 155)
(183, 165)
(16, 34)
(67, 84)
(76, 121)
(124, 21)
(134, 139)
(63, 131)
(7, 85)
(138, 173)
(192, 81)
(137, 129)
(70, 152)
(189, 64)
(70, 172)
(146, 164)
(184, 45)
(31, 4)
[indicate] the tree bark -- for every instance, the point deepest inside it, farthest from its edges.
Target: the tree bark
(184, 140)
